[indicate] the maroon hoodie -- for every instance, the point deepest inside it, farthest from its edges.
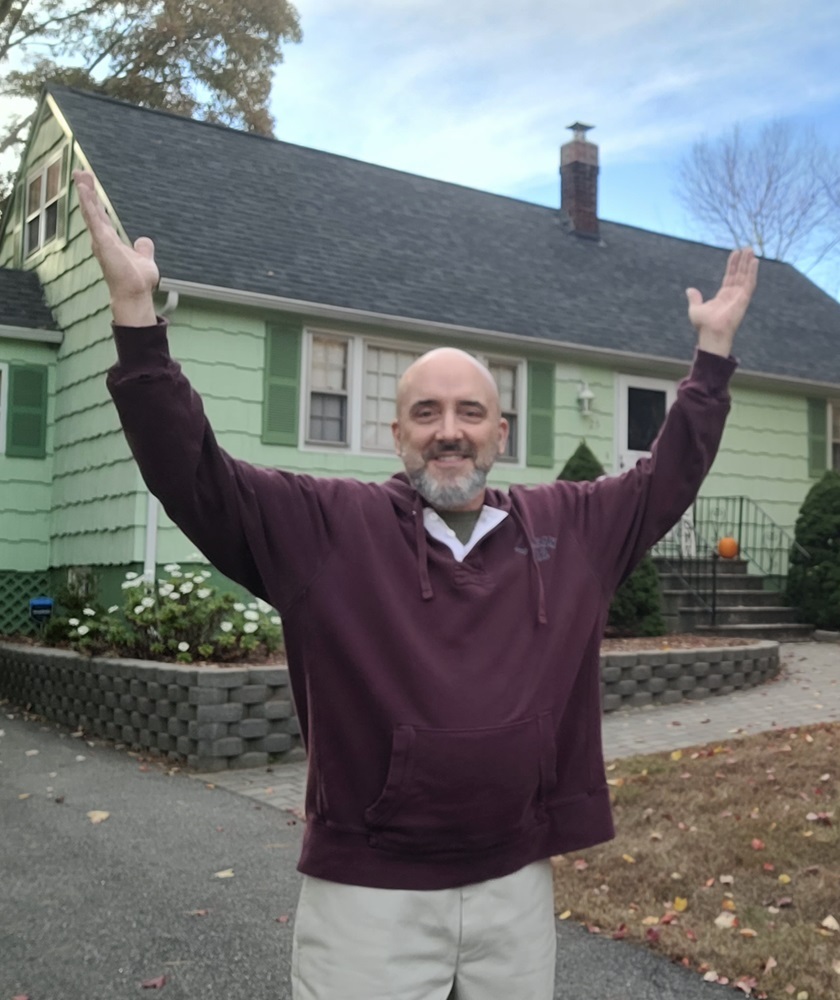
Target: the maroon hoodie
(451, 711)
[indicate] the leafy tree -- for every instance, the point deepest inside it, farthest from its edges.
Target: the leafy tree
(636, 608)
(813, 585)
(208, 59)
(778, 192)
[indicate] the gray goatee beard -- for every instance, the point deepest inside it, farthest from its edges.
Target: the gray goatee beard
(448, 496)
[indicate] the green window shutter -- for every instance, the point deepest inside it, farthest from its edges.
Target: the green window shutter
(281, 385)
(26, 420)
(540, 444)
(817, 437)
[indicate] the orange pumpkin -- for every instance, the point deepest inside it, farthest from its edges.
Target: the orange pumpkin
(728, 547)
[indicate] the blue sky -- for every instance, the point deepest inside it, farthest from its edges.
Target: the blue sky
(479, 92)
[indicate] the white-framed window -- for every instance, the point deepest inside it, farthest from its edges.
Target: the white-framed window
(326, 421)
(46, 200)
(508, 376)
(350, 391)
(834, 442)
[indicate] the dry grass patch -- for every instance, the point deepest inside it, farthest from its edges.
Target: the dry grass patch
(726, 859)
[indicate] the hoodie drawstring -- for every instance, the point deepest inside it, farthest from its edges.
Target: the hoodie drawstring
(426, 591)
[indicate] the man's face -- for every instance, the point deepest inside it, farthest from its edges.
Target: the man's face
(449, 430)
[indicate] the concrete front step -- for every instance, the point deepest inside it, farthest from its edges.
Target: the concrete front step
(676, 599)
(723, 567)
(692, 617)
(725, 581)
(782, 632)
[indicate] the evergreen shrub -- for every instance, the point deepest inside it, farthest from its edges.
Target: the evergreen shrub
(813, 584)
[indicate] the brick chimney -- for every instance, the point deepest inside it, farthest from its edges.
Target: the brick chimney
(579, 182)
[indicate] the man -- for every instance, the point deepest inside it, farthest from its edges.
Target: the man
(443, 644)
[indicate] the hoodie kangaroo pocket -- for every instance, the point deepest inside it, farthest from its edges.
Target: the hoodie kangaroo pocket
(453, 791)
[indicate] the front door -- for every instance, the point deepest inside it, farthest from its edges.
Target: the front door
(642, 405)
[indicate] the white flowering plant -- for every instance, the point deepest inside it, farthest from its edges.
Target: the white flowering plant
(180, 617)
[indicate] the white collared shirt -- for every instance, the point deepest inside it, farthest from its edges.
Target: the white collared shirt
(441, 532)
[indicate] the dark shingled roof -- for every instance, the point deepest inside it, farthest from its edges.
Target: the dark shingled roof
(245, 212)
(22, 301)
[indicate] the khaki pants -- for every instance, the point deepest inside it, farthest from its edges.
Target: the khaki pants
(491, 941)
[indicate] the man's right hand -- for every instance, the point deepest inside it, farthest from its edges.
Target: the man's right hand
(130, 272)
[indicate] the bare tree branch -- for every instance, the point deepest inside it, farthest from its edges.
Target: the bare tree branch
(772, 192)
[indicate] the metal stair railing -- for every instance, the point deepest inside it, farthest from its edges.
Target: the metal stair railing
(690, 550)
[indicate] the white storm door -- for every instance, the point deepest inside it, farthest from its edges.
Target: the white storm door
(642, 406)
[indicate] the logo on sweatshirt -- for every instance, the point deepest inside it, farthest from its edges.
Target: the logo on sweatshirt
(542, 547)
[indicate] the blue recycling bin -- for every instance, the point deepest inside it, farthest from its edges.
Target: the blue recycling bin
(41, 609)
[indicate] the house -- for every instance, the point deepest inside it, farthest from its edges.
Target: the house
(299, 284)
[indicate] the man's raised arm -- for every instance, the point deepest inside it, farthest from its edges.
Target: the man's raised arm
(130, 272)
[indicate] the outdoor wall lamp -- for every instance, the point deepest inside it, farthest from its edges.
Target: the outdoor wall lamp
(585, 397)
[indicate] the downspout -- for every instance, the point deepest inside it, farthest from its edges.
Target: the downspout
(152, 504)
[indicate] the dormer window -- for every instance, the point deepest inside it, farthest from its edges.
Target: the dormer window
(46, 199)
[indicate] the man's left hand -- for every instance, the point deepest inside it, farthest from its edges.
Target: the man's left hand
(717, 320)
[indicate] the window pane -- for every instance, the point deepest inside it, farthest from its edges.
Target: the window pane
(32, 237)
(645, 415)
(329, 364)
(53, 180)
(835, 456)
(327, 418)
(505, 376)
(50, 221)
(835, 422)
(510, 448)
(33, 198)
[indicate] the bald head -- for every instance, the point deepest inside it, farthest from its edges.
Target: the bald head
(446, 366)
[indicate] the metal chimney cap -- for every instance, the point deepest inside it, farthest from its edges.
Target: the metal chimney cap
(580, 129)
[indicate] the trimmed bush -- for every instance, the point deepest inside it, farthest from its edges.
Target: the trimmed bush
(636, 608)
(813, 585)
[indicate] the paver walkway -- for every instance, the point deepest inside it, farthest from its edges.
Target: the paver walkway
(807, 691)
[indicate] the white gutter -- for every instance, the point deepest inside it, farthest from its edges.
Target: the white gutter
(580, 352)
(27, 333)
(152, 502)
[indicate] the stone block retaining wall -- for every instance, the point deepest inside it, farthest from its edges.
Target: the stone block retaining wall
(214, 718)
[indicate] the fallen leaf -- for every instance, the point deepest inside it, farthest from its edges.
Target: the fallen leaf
(680, 904)
(226, 873)
(835, 965)
(31, 753)
(24, 795)
(756, 844)
(581, 865)
(97, 816)
(726, 879)
(629, 859)
(197, 913)
(784, 879)
(748, 932)
(650, 921)
(729, 905)
(652, 935)
(676, 755)
(725, 920)
(768, 867)
(830, 923)
(770, 964)
(690, 935)
(711, 976)
(154, 984)
(284, 919)
(565, 914)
